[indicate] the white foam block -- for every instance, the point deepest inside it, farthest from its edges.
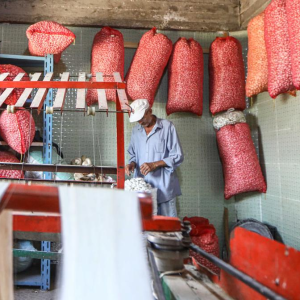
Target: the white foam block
(103, 254)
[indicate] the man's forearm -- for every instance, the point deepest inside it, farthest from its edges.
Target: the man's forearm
(159, 164)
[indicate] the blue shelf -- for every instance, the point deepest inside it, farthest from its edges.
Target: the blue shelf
(23, 60)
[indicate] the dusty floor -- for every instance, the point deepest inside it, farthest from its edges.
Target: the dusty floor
(34, 294)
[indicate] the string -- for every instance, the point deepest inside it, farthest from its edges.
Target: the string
(93, 130)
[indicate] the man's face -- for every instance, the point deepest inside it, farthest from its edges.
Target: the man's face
(147, 118)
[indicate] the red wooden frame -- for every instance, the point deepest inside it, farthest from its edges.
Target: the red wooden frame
(62, 84)
(41, 198)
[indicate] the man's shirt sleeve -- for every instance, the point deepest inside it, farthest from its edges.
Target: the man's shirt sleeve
(131, 148)
(175, 157)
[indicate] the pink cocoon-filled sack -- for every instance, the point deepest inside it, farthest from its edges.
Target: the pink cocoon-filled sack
(148, 65)
(186, 78)
(241, 169)
(278, 49)
(17, 130)
(107, 57)
(293, 17)
(257, 77)
(47, 37)
(13, 72)
(9, 157)
(226, 75)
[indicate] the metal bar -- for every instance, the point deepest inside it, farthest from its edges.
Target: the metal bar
(61, 93)
(39, 98)
(102, 101)
(72, 182)
(238, 274)
(21, 101)
(36, 254)
(80, 101)
(61, 84)
(34, 144)
(57, 168)
(155, 276)
(120, 148)
(45, 266)
(8, 91)
(121, 93)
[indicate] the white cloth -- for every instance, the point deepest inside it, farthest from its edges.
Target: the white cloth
(102, 241)
(3, 188)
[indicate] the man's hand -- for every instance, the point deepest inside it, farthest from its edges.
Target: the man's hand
(130, 168)
(147, 167)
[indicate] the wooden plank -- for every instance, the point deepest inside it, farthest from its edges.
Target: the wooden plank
(7, 92)
(101, 93)
(40, 96)
(61, 93)
(80, 101)
(6, 259)
(273, 264)
(21, 101)
(121, 93)
(3, 76)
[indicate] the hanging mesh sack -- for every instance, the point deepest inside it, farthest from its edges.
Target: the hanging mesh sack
(204, 235)
(226, 75)
(147, 66)
(257, 78)
(186, 78)
(278, 49)
(17, 130)
(9, 157)
(241, 169)
(13, 72)
(293, 17)
(107, 57)
(47, 37)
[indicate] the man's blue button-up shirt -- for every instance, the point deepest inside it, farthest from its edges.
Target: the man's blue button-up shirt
(162, 143)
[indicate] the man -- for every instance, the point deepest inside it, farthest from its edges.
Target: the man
(155, 152)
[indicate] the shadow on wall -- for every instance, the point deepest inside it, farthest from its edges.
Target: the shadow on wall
(252, 120)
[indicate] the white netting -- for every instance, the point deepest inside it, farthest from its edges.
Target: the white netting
(230, 117)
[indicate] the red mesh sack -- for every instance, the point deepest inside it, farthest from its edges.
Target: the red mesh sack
(186, 78)
(17, 130)
(293, 17)
(13, 71)
(147, 66)
(257, 78)
(196, 222)
(278, 49)
(9, 157)
(209, 242)
(241, 169)
(226, 75)
(47, 37)
(107, 57)
(204, 235)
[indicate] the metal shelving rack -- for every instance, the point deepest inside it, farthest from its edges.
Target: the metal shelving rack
(47, 63)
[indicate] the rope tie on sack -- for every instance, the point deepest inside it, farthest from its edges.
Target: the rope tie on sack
(230, 117)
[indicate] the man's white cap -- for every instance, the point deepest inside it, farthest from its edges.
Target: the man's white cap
(139, 106)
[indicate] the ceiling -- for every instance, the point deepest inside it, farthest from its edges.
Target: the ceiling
(194, 15)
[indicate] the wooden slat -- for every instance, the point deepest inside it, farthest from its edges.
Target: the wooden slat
(80, 101)
(6, 259)
(101, 93)
(61, 93)
(41, 94)
(7, 92)
(3, 76)
(121, 93)
(26, 93)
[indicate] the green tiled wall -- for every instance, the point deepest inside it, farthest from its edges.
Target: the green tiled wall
(200, 175)
(279, 124)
